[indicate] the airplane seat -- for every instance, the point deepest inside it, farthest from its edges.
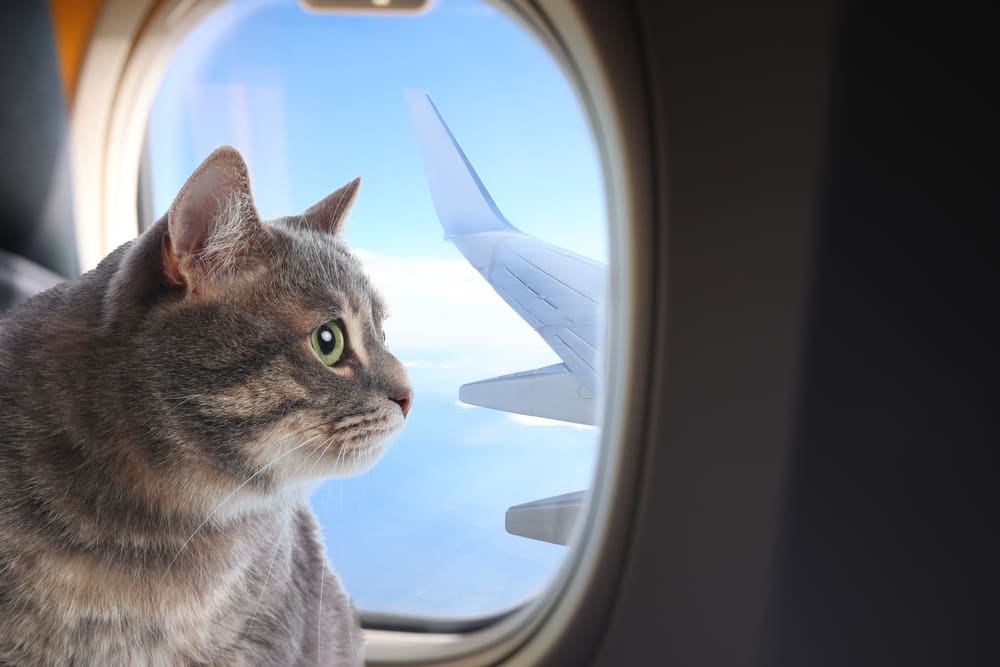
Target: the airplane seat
(37, 234)
(21, 279)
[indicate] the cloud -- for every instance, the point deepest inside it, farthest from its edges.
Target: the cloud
(421, 363)
(529, 420)
(444, 315)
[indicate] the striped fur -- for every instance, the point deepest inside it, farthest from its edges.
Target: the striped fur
(162, 418)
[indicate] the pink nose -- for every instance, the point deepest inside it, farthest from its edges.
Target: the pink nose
(403, 400)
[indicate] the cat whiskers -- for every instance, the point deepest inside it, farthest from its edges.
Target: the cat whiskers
(227, 499)
(322, 577)
(322, 453)
(277, 546)
(263, 588)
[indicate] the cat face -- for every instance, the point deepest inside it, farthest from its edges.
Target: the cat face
(264, 348)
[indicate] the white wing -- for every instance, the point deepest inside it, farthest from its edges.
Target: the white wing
(556, 291)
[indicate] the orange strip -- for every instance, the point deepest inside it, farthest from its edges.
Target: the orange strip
(72, 24)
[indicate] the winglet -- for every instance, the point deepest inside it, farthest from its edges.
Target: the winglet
(463, 204)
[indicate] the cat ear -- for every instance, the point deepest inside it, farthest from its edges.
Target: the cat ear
(213, 227)
(328, 214)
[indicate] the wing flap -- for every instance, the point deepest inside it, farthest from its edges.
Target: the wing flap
(545, 292)
(549, 519)
(551, 392)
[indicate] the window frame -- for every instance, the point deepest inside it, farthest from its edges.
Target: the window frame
(129, 49)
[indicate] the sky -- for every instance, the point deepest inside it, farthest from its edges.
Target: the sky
(313, 101)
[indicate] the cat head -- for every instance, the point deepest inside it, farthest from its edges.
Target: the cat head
(259, 344)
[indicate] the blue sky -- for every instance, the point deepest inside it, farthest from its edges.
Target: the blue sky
(315, 100)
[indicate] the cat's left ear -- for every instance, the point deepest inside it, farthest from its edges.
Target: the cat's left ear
(214, 231)
(328, 214)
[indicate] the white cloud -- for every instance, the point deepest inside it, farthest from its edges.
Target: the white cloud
(442, 309)
(528, 420)
(421, 363)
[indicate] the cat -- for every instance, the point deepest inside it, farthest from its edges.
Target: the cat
(162, 418)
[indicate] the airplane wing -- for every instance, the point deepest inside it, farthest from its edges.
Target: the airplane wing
(556, 291)
(549, 519)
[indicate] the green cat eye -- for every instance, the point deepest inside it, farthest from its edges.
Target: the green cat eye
(328, 342)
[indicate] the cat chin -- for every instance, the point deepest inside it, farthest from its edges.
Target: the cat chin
(293, 451)
(346, 461)
(360, 459)
(354, 460)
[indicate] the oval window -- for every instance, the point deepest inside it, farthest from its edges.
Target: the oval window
(482, 221)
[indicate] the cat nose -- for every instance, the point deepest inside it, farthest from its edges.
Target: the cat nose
(403, 400)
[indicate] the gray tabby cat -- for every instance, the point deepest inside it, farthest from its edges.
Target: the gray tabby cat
(161, 420)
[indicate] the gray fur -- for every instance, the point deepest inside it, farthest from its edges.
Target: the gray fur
(161, 420)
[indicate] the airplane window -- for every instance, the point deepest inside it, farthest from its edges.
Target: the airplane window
(474, 153)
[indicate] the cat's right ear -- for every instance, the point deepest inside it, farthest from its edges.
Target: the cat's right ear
(214, 230)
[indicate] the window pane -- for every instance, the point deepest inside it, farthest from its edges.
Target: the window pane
(313, 100)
